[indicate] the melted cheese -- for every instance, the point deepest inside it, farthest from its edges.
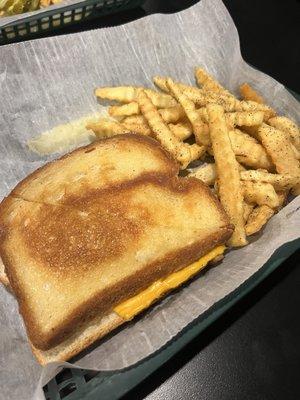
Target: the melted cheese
(129, 308)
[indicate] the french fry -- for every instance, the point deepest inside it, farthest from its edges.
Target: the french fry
(278, 181)
(135, 119)
(229, 184)
(182, 130)
(248, 207)
(248, 151)
(172, 114)
(202, 138)
(141, 129)
(128, 94)
(244, 118)
(123, 94)
(206, 173)
(182, 152)
(124, 110)
(287, 125)
(278, 146)
(258, 218)
(209, 83)
(248, 93)
(260, 193)
(161, 83)
(199, 96)
(106, 128)
(253, 106)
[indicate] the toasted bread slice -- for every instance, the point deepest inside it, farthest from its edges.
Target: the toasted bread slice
(74, 248)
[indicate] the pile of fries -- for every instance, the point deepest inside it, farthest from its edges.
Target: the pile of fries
(249, 154)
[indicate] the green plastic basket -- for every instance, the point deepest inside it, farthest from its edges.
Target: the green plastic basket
(52, 19)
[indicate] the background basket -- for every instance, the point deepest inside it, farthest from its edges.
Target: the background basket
(52, 19)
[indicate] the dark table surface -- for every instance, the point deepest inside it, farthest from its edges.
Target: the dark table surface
(253, 351)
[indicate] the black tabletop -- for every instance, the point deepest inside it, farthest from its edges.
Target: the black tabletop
(253, 351)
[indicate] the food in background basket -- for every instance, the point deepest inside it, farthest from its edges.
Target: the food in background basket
(12, 7)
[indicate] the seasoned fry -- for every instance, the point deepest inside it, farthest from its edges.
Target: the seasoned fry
(128, 94)
(253, 106)
(248, 207)
(172, 114)
(201, 97)
(123, 94)
(278, 146)
(142, 129)
(287, 125)
(229, 184)
(209, 83)
(106, 128)
(244, 118)
(258, 218)
(279, 181)
(201, 136)
(260, 193)
(135, 119)
(161, 83)
(182, 130)
(124, 110)
(248, 93)
(206, 173)
(248, 151)
(182, 152)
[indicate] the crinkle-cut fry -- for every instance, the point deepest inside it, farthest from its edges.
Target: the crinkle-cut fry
(244, 118)
(260, 193)
(123, 94)
(128, 94)
(182, 130)
(254, 106)
(248, 93)
(248, 151)
(205, 80)
(279, 181)
(135, 119)
(206, 173)
(193, 116)
(124, 110)
(142, 129)
(106, 128)
(172, 114)
(229, 184)
(277, 144)
(161, 83)
(160, 100)
(248, 207)
(287, 125)
(199, 96)
(182, 152)
(258, 218)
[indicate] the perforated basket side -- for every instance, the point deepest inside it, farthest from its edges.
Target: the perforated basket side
(51, 20)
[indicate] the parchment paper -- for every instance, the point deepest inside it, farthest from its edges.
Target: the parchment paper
(50, 81)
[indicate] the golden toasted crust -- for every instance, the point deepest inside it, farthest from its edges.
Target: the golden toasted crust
(66, 248)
